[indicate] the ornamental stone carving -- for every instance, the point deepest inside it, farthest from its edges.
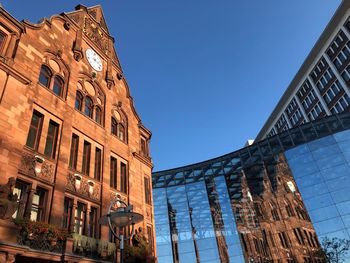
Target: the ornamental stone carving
(36, 166)
(93, 31)
(114, 195)
(83, 186)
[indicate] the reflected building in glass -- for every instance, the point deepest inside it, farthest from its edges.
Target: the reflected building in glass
(273, 201)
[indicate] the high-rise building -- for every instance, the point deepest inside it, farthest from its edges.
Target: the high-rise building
(277, 200)
(70, 139)
(321, 87)
(283, 197)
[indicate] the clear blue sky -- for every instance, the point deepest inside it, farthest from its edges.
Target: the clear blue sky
(205, 75)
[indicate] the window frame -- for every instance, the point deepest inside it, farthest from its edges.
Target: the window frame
(123, 175)
(113, 172)
(147, 190)
(54, 138)
(37, 129)
(144, 150)
(41, 206)
(3, 37)
(67, 215)
(93, 222)
(81, 97)
(85, 167)
(52, 78)
(97, 106)
(58, 79)
(73, 158)
(98, 164)
(22, 198)
(80, 220)
(87, 107)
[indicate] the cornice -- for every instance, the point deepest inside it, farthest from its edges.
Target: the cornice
(146, 160)
(14, 73)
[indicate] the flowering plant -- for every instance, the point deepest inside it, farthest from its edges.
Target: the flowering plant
(33, 229)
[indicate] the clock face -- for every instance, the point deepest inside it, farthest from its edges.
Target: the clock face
(94, 59)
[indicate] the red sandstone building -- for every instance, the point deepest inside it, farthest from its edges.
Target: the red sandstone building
(69, 135)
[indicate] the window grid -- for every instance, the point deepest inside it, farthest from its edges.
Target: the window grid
(296, 117)
(342, 104)
(342, 57)
(325, 79)
(304, 89)
(291, 107)
(333, 91)
(322, 64)
(315, 112)
(309, 100)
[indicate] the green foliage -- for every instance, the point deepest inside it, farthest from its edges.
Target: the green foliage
(83, 243)
(139, 254)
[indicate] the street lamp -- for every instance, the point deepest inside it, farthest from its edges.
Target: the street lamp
(121, 217)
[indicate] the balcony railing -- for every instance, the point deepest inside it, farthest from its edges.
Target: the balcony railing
(41, 243)
(93, 248)
(41, 236)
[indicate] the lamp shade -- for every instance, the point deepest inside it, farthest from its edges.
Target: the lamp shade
(121, 218)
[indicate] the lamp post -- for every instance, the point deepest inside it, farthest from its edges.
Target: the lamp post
(121, 217)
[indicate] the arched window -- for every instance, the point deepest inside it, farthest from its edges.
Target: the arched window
(119, 125)
(88, 107)
(121, 133)
(53, 75)
(45, 76)
(90, 100)
(79, 101)
(114, 127)
(98, 115)
(58, 86)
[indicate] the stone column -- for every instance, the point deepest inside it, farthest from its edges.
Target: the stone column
(72, 216)
(28, 209)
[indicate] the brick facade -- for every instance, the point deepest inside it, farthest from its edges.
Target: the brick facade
(60, 44)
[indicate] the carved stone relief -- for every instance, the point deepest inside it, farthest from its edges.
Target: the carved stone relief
(84, 187)
(29, 165)
(93, 31)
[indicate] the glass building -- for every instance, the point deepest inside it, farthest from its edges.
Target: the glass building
(274, 201)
